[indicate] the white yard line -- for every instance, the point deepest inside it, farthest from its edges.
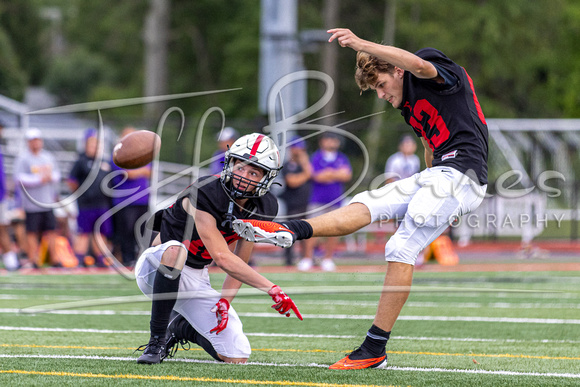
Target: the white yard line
(492, 305)
(468, 294)
(263, 334)
(84, 330)
(30, 311)
(330, 304)
(45, 297)
(79, 330)
(310, 365)
(513, 320)
(429, 304)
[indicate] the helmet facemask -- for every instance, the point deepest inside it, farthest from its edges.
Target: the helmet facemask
(255, 150)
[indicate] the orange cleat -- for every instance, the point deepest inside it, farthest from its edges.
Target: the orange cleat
(358, 360)
(263, 231)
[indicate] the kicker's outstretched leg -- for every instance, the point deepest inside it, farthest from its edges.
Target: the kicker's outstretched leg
(342, 221)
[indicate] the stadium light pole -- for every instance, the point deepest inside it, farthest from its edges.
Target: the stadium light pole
(281, 53)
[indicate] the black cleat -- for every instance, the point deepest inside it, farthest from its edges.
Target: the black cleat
(172, 337)
(153, 352)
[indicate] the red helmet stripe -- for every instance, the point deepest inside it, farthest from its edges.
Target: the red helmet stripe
(256, 145)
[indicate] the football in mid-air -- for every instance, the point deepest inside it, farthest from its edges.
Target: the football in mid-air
(136, 149)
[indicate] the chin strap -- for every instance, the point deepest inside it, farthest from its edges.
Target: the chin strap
(229, 215)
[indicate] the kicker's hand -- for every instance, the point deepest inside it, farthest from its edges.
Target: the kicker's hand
(283, 303)
(221, 312)
(346, 38)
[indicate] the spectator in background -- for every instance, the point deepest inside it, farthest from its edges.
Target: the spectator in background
(405, 163)
(92, 203)
(18, 223)
(297, 172)
(9, 256)
(125, 219)
(225, 138)
(402, 164)
(36, 170)
(330, 170)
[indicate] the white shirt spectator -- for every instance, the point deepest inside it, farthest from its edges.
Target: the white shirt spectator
(400, 166)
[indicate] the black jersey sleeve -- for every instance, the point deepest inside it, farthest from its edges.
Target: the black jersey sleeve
(204, 196)
(437, 57)
(446, 68)
(448, 77)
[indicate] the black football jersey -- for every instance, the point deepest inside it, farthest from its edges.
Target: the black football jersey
(448, 116)
(207, 194)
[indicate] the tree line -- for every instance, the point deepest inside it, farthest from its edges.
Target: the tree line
(523, 55)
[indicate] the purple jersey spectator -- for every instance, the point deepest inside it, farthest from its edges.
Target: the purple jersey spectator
(137, 184)
(126, 216)
(324, 193)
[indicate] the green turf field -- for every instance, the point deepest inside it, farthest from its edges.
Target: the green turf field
(457, 329)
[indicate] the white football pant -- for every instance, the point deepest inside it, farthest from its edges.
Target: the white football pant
(425, 203)
(195, 300)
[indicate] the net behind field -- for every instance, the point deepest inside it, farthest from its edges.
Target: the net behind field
(533, 172)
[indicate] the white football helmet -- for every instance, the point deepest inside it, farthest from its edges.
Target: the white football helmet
(255, 149)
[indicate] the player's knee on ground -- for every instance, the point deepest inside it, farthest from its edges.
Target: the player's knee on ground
(236, 349)
(231, 346)
(233, 359)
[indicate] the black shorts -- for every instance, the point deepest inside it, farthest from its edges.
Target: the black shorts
(40, 221)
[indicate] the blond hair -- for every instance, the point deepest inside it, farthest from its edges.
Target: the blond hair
(368, 68)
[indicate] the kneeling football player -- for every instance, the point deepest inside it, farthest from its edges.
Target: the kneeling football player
(197, 230)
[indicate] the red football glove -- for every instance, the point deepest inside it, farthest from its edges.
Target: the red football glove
(283, 303)
(221, 312)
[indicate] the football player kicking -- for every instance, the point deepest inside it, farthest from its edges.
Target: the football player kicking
(437, 99)
(195, 230)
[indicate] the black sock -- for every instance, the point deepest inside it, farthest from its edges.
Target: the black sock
(184, 330)
(376, 341)
(162, 304)
(301, 228)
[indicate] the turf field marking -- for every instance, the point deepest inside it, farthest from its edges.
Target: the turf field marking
(190, 349)
(485, 372)
(484, 355)
(77, 312)
(330, 304)
(326, 316)
(466, 294)
(431, 304)
(262, 334)
(84, 330)
(184, 379)
(517, 320)
(45, 297)
(80, 330)
(57, 346)
(259, 334)
(493, 305)
(547, 296)
(501, 355)
(491, 319)
(310, 365)
(474, 339)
